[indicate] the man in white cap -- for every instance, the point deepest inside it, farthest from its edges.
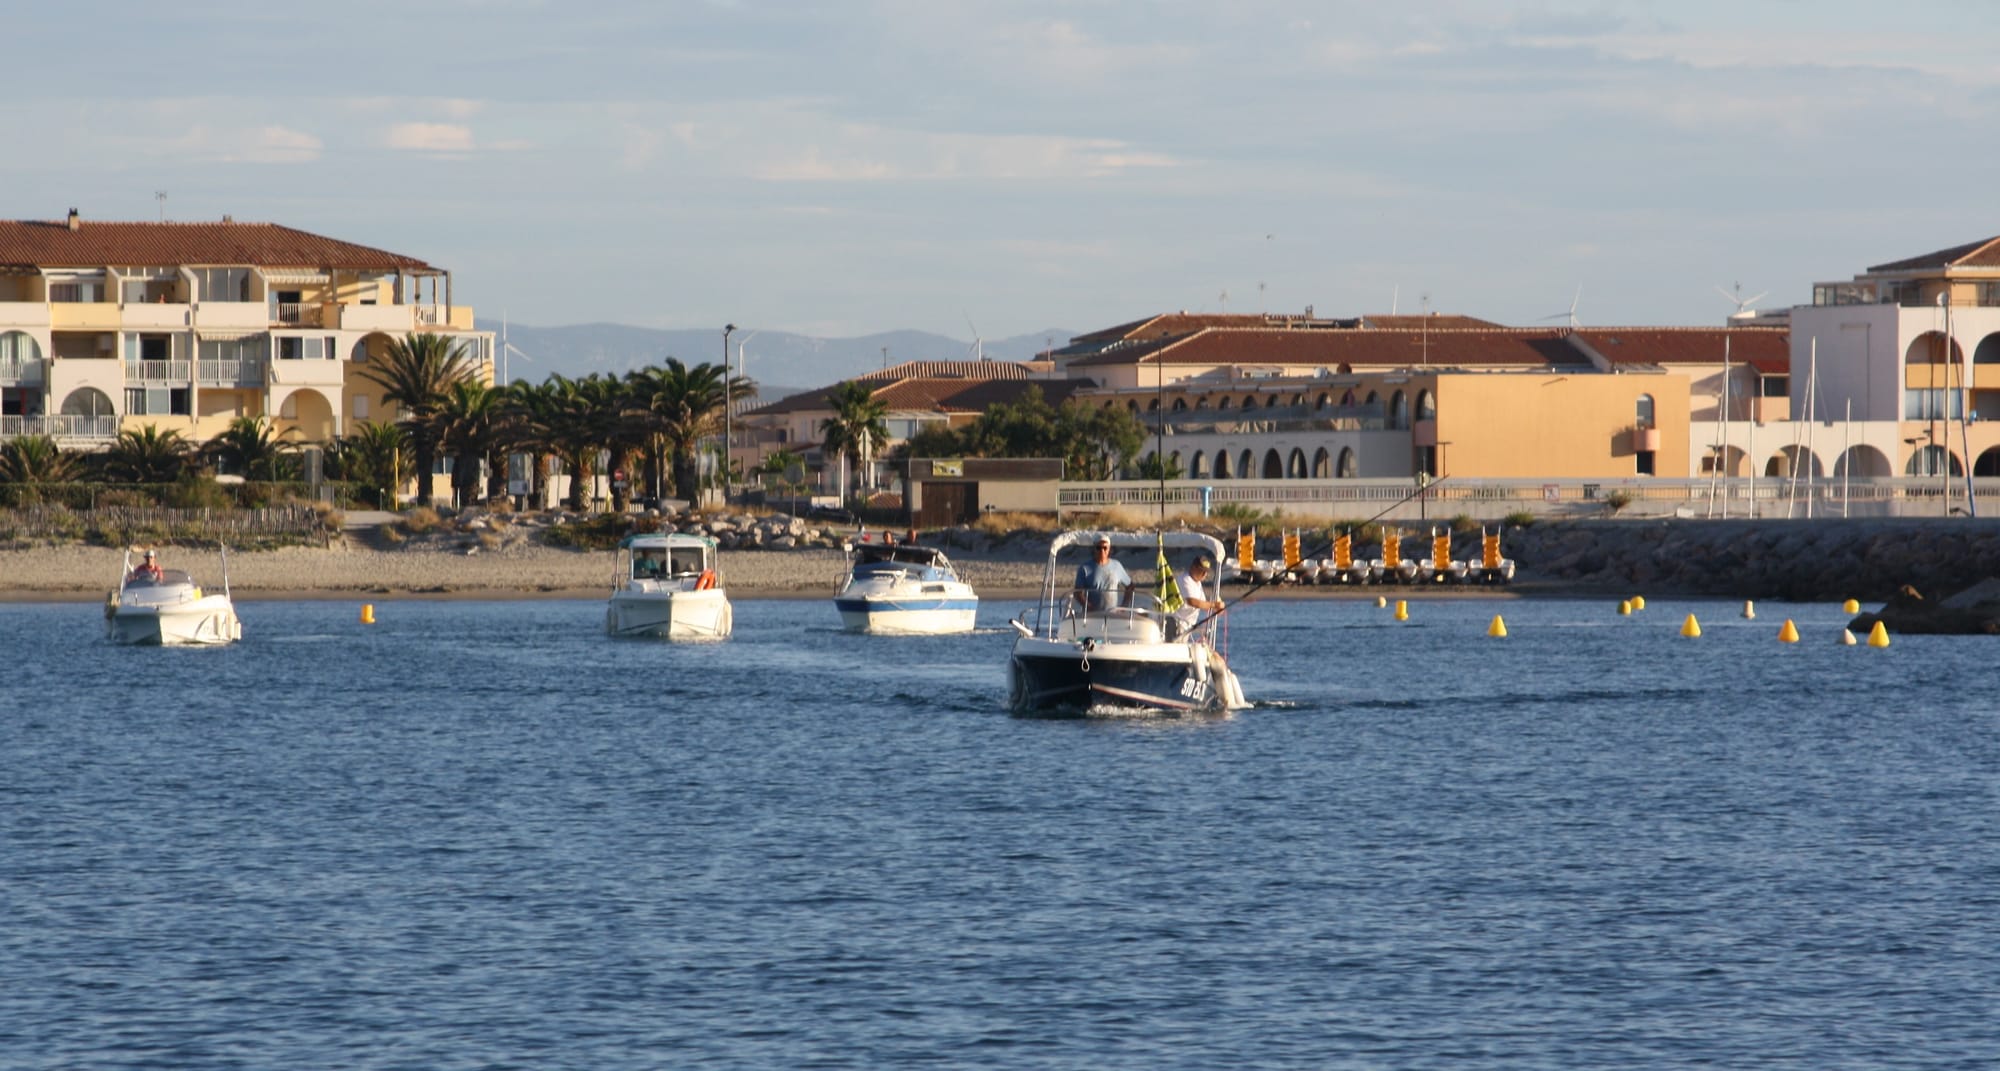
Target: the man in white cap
(1101, 581)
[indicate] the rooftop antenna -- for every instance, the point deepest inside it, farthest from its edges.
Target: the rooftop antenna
(1262, 306)
(1571, 314)
(1224, 299)
(1744, 311)
(161, 196)
(885, 358)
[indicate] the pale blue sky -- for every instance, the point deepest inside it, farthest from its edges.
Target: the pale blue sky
(844, 168)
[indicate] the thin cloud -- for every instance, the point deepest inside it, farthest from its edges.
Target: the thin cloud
(431, 137)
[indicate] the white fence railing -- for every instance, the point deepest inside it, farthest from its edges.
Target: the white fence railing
(60, 426)
(1736, 497)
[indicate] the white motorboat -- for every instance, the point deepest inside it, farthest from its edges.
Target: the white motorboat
(165, 607)
(667, 585)
(1070, 659)
(902, 589)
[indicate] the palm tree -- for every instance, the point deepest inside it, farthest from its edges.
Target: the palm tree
(857, 428)
(377, 456)
(684, 406)
(416, 374)
(248, 449)
(470, 427)
(31, 462)
(573, 429)
(147, 455)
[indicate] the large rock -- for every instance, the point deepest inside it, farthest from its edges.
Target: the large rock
(1974, 611)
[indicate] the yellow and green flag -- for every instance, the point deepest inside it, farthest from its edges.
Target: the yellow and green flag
(1169, 595)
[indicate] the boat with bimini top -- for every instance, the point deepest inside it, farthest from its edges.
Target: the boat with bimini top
(159, 607)
(902, 589)
(667, 585)
(1111, 649)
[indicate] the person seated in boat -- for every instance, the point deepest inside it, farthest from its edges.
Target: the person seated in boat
(147, 569)
(648, 566)
(1101, 582)
(1194, 597)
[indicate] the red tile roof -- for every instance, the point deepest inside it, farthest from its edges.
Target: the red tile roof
(52, 244)
(1768, 349)
(959, 370)
(1437, 322)
(933, 395)
(1483, 348)
(1182, 323)
(1984, 253)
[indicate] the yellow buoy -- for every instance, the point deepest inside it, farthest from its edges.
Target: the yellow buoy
(1788, 634)
(1402, 610)
(1847, 637)
(1381, 601)
(1749, 610)
(367, 613)
(1625, 607)
(1691, 628)
(1638, 602)
(1878, 636)
(1498, 628)
(1852, 606)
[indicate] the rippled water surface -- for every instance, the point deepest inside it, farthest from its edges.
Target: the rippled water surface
(481, 835)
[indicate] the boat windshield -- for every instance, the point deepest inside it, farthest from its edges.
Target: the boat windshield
(168, 578)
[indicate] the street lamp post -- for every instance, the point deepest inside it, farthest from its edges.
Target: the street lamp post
(728, 407)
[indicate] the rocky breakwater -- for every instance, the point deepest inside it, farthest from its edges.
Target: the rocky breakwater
(1803, 560)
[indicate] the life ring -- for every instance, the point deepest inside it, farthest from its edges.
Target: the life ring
(705, 581)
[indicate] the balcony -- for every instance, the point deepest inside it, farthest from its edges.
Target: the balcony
(175, 372)
(23, 314)
(1645, 437)
(393, 319)
(303, 372)
(1424, 432)
(230, 373)
(139, 315)
(232, 315)
(299, 314)
(22, 371)
(85, 316)
(62, 426)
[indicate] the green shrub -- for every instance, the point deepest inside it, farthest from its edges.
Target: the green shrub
(418, 521)
(1520, 518)
(601, 532)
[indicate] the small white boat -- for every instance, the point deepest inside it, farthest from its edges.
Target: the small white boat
(166, 608)
(667, 585)
(902, 589)
(1069, 659)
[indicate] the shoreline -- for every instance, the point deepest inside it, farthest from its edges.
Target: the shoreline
(76, 573)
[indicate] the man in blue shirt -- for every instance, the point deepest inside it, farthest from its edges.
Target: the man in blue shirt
(1100, 581)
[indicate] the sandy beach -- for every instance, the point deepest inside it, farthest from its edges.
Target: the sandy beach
(65, 573)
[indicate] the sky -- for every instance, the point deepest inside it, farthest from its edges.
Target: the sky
(991, 168)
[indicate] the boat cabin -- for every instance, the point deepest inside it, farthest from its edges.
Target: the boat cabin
(899, 559)
(666, 562)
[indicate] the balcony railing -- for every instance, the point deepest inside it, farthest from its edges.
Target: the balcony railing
(230, 373)
(1274, 420)
(21, 371)
(158, 371)
(60, 426)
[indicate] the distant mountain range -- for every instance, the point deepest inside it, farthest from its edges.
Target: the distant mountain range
(780, 362)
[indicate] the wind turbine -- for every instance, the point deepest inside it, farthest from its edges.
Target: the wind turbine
(1569, 315)
(1743, 304)
(978, 344)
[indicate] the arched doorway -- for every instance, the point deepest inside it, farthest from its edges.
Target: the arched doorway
(1988, 463)
(309, 412)
(1799, 460)
(1246, 465)
(1322, 464)
(1863, 460)
(1274, 465)
(1932, 347)
(1348, 467)
(1931, 461)
(1295, 466)
(1399, 412)
(18, 346)
(1987, 352)
(1198, 466)
(1222, 464)
(1427, 407)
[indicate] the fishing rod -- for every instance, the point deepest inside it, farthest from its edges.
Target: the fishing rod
(1260, 583)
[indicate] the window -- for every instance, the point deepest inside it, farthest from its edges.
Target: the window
(1645, 411)
(19, 346)
(157, 401)
(309, 349)
(222, 284)
(1931, 404)
(1646, 462)
(65, 292)
(360, 407)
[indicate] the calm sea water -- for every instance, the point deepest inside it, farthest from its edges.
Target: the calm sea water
(481, 835)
